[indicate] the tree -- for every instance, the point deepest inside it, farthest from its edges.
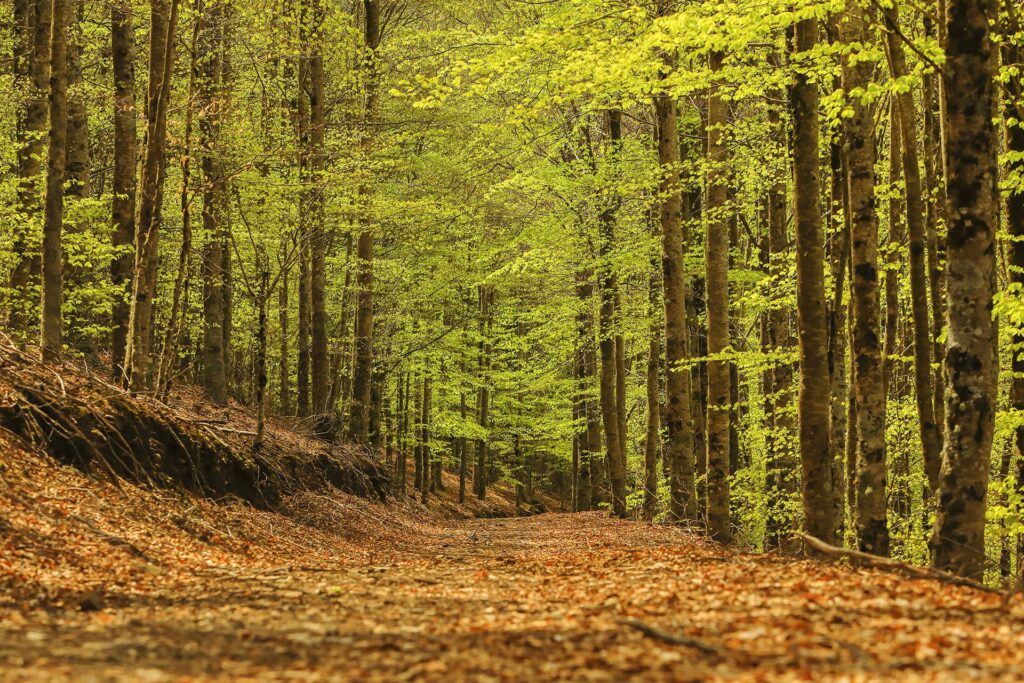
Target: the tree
(122, 41)
(972, 204)
(868, 384)
(609, 357)
(812, 330)
(361, 390)
(53, 260)
(31, 66)
(163, 22)
(717, 259)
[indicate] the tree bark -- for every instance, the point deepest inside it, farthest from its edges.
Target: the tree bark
(813, 401)
(51, 341)
(609, 286)
(164, 19)
(364, 252)
(209, 89)
(425, 468)
(1013, 108)
(122, 40)
(716, 251)
(652, 440)
(32, 62)
(77, 168)
(866, 375)
(958, 543)
(931, 438)
(679, 443)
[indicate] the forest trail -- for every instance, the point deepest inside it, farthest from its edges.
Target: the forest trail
(529, 599)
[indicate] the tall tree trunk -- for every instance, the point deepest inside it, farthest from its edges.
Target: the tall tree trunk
(486, 299)
(652, 440)
(584, 447)
(263, 300)
(931, 438)
(935, 181)
(319, 370)
(210, 104)
(122, 39)
(364, 252)
(958, 543)
(1013, 108)
(179, 296)
(53, 219)
(813, 401)
(77, 167)
(716, 252)
(866, 349)
(609, 286)
(892, 260)
(32, 61)
(164, 19)
(679, 444)
(303, 130)
(425, 467)
(782, 465)
(284, 378)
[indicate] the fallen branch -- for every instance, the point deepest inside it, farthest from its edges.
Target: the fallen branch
(231, 431)
(877, 561)
(671, 638)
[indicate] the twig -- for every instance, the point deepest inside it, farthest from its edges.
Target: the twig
(858, 557)
(232, 431)
(671, 638)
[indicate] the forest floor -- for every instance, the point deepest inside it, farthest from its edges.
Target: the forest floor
(117, 582)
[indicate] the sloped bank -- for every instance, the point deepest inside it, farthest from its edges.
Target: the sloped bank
(80, 419)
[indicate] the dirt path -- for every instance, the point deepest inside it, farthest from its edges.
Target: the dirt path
(532, 599)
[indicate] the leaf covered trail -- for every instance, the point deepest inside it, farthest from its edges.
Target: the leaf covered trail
(552, 597)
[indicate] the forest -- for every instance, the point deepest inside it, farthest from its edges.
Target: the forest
(751, 271)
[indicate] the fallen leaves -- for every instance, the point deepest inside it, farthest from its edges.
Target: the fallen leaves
(395, 593)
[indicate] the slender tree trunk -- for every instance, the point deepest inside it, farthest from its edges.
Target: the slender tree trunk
(609, 286)
(935, 182)
(261, 357)
(892, 266)
(461, 445)
(305, 231)
(716, 252)
(364, 252)
(958, 543)
(51, 342)
(486, 299)
(931, 438)
(652, 440)
(179, 309)
(782, 465)
(164, 19)
(314, 85)
(425, 467)
(32, 61)
(122, 38)
(284, 378)
(678, 399)
(866, 349)
(209, 87)
(813, 401)
(1013, 108)
(77, 167)
(584, 446)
